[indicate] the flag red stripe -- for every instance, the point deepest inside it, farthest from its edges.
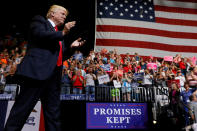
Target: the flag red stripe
(175, 9)
(193, 1)
(147, 45)
(176, 21)
(138, 30)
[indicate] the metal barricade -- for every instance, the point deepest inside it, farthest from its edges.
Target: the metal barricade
(112, 94)
(105, 93)
(162, 95)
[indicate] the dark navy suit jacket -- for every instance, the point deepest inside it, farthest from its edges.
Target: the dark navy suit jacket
(42, 50)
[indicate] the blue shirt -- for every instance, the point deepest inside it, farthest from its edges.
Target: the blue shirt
(66, 79)
(185, 95)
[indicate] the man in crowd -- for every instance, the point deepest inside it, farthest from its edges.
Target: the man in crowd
(89, 83)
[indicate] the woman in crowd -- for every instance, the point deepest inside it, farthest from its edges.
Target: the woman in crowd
(174, 95)
(115, 78)
(77, 82)
(126, 87)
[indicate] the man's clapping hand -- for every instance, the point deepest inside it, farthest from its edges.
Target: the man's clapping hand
(68, 26)
(77, 43)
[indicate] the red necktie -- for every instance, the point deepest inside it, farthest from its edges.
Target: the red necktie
(59, 60)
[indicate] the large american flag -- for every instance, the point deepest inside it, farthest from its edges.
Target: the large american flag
(149, 27)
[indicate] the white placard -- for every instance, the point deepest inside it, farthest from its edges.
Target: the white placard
(117, 84)
(104, 78)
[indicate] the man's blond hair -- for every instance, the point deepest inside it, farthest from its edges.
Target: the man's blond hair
(54, 8)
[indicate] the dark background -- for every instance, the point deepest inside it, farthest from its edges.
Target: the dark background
(16, 17)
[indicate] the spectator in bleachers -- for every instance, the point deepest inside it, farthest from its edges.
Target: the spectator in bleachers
(165, 65)
(170, 75)
(174, 95)
(126, 87)
(177, 59)
(80, 67)
(136, 56)
(143, 65)
(138, 67)
(182, 66)
(160, 79)
(128, 58)
(77, 82)
(112, 58)
(66, 81)
(181, 79)
(89, 78)
(148, 79)
(174, 69)
(92, 54)
(185, 99)
(78, 55)
(115, 77)
(127, 67)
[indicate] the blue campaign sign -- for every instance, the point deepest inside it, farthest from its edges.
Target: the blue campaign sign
(116, 116)
(138, 76)
(77, 97)
(106, 67)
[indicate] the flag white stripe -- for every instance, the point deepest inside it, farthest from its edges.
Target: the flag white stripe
(147, 38)
(189, 5)
(179, 16)
(143, 52)
(151, 25)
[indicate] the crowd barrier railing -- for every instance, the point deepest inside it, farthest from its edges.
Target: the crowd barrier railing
(111, 94)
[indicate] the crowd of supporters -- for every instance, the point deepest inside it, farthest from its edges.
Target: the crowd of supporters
(83, 74)
(12, 51)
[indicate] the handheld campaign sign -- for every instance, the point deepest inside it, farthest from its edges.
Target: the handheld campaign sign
(104, 78)
(152, 66)
(116, 115)
(168, 58)
(117, 84)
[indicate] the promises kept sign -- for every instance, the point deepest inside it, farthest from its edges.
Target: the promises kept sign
(116, 115)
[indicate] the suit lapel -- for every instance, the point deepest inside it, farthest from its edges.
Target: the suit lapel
(53, 30)
(50, 26)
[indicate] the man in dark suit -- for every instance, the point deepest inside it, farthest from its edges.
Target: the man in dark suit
(40, 71)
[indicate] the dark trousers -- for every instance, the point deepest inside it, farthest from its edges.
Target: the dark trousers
(48, 91)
